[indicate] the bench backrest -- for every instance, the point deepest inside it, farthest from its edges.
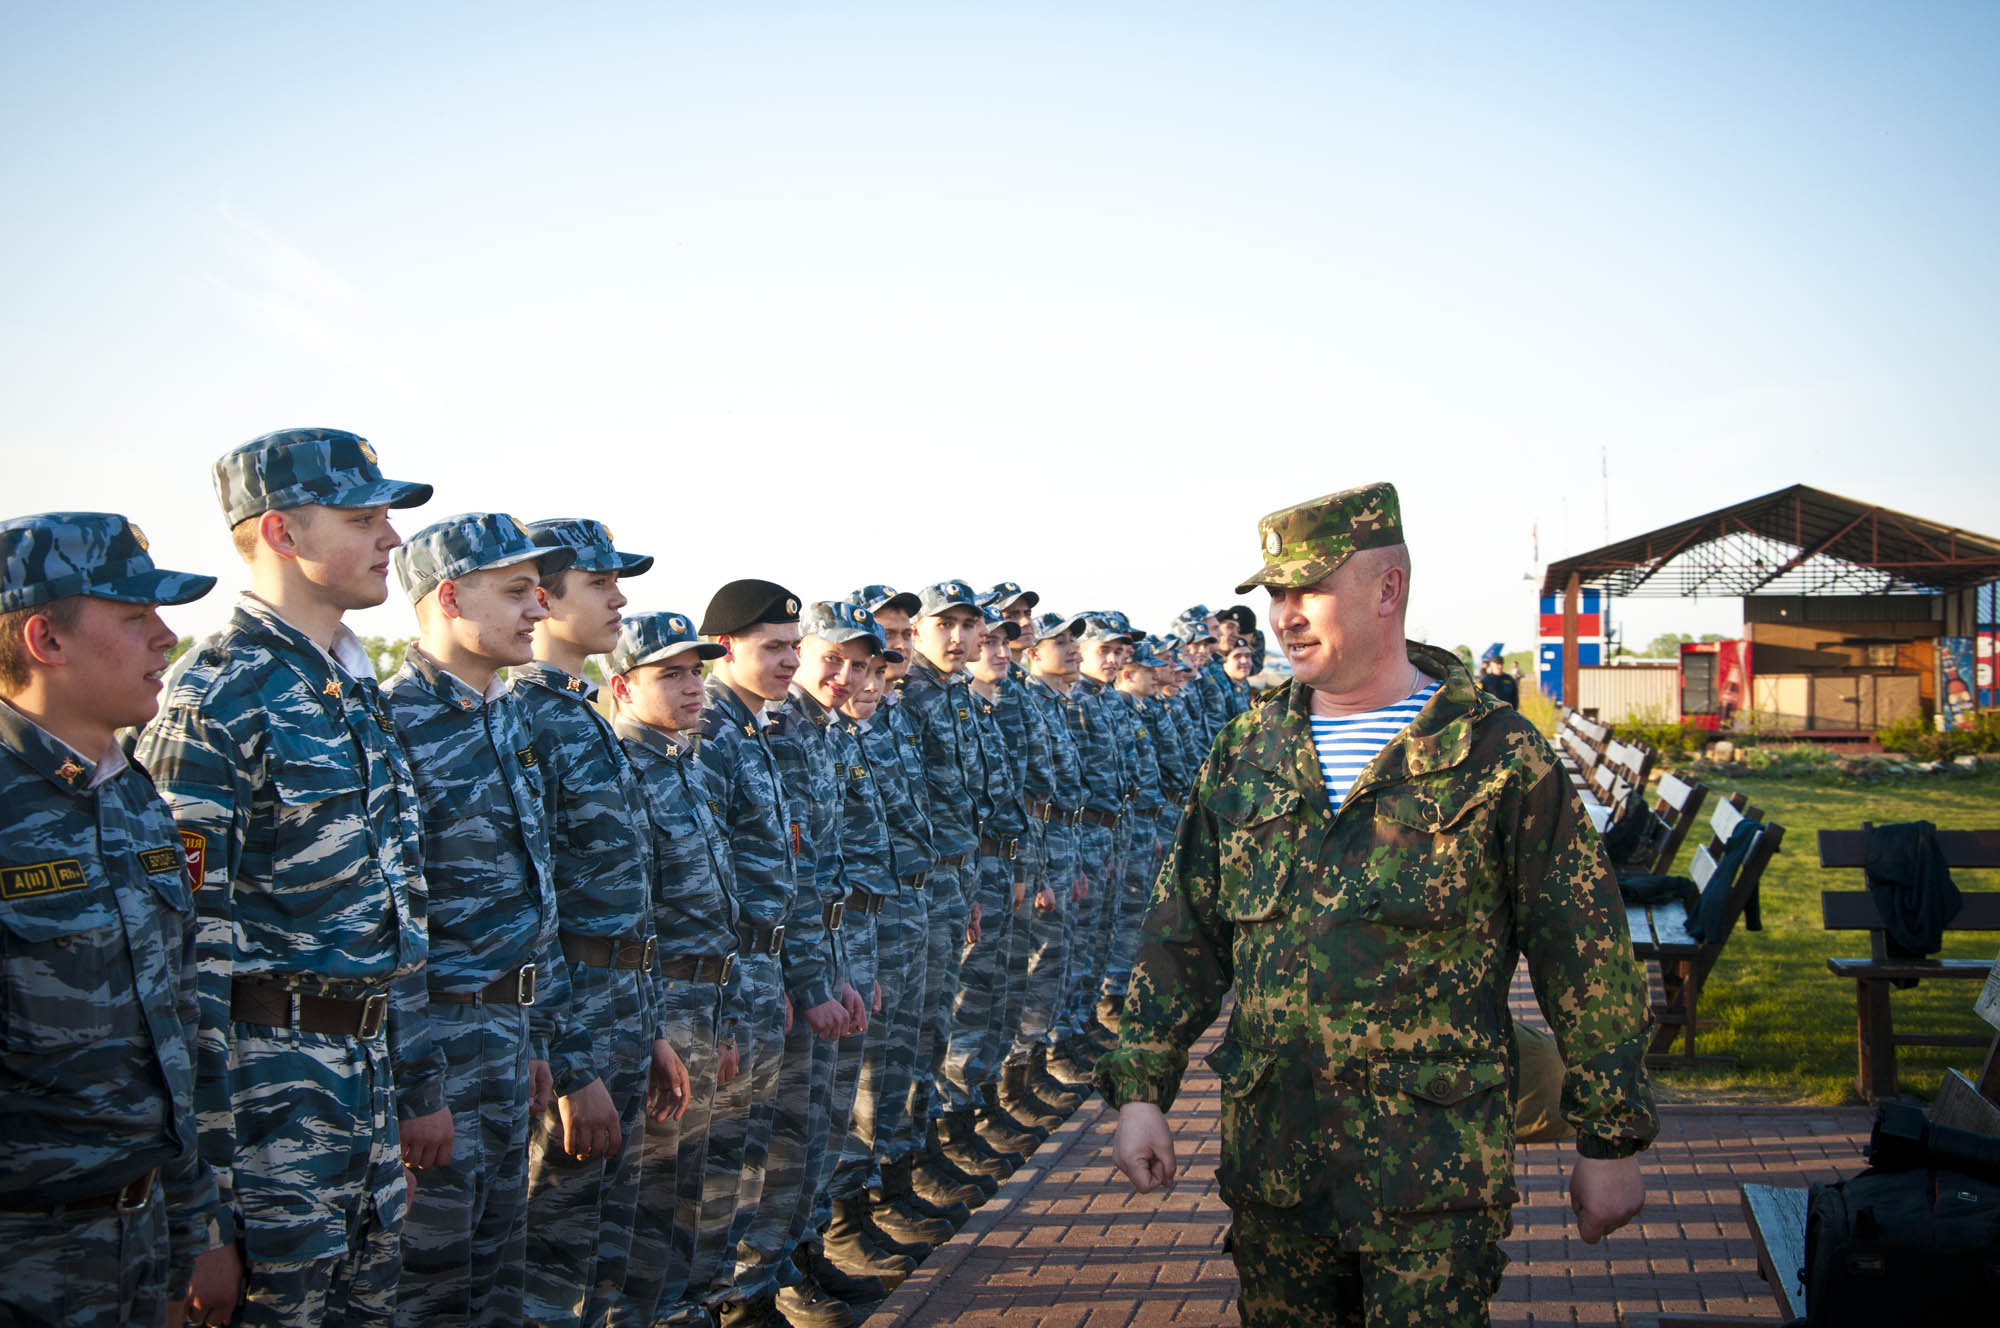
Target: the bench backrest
(1854, 910)
(1678, 805)
(1970, 849)
(1728, 814)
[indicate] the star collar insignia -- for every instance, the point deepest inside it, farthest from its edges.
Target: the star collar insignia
(69, 772)
(332, 687)
(576, 684)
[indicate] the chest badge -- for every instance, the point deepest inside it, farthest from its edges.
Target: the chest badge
(332, 687)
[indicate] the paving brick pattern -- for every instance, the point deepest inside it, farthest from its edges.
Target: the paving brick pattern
(1067, 1243)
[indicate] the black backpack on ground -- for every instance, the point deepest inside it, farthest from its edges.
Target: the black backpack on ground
(1913, 1239)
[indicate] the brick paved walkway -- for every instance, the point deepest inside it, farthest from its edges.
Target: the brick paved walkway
(1067, 1243)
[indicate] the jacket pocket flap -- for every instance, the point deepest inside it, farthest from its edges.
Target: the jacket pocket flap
(1240, 1068)
(1427, 810)
(1444, 1080)
(1252, 801)
(302, 779)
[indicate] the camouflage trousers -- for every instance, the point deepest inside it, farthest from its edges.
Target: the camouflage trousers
(879, 1128)
(979, 1007)
(944, 943)
(800, 1110)
(739, 1142)
(671, 1226)
(1292, 1280)
(580, 1211)
(1097, 860)
(97, 1268)
(1138, 861)
(466, 1235)
(1042, 944)
(318, 1171)
(864, 970)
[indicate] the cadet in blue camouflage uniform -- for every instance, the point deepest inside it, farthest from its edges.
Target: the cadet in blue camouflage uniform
(1107, 779)
(1236, 629)
(685, 1211)
(294, 802)
(105, 1200)
(757, 624)
(1139, 830)
(580, 1200)
(498, 985)
(1370, 934)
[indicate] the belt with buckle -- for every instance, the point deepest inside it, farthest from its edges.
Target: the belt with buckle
(515, 988)
(863, 902)
(127, 1198)
(763, 937)
(914, 881)
(254, 1001)
(1093, 817)
(1008, 848)
(1044, 811)
(700, 968)
(831, 914)
(608, 952)
(955, 860)
(1073, 817)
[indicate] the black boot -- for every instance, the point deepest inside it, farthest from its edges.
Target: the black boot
(963, 1145)
(1109, 1012)
(1045, 1085)
(1072, 1060)
(830, 1277)
(903, 1224)
(759, 1313)
(1022, 1102)
(936, 1175)
(1001, 1128)
(899, 1192)
(810, 1305)
(853, 1246)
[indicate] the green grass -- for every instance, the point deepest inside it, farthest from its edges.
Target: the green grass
(1774, 1007)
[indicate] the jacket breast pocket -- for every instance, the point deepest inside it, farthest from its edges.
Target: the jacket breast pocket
(58, 954)
(322, 808)
(1253, 849)
(1444, 1134)
(1261, 1158)
(1429, 859)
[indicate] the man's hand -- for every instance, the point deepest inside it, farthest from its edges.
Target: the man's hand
(827, 1019)
(1081, 889)
(589, 1122)
(426, 1139)
(875, 1005)
(541, 1087)
(1143, 1148)
(1020, 893)
(1605, 1193)
(216, 1285)
(972, 925)
(857, 1010)
(727, 1064)
(1045, 900)
(788, 1016)
(667, 1090)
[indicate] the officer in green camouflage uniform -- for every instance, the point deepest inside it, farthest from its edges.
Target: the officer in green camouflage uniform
(316, 1079)
(581, 1201)
(1367, 1146)
(105, 1199)
(498, 983)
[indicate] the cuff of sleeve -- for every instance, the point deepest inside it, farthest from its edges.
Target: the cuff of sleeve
(1592, 1147)
(421, 1100)
(572, 1075)
(816, 992)
(221, 1228)
(178, 1278)
(1121, 1078)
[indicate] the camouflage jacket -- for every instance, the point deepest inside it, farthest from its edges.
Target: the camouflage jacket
(939, 711)
(814, 960)
(1025, 727)
(1001, 813)
(296, 806)
(896, 760)
(755, 813)
(599, 846)
(694, 876)
(864, 826)
(485, 849)
(1210, 686)
(1059, 727)
(1164, 724)
(97, 951)
(1144, 793)
(1102, 746)
(1366, 1065)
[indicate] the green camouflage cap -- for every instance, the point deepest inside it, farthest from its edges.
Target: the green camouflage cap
(472, 542)
(295, 467)
(592, 542)
(1304, 544)
(648, 638)
(53, 555)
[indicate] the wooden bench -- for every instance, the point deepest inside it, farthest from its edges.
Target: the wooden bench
(1677, 805)
(1581, 747)
(1660, 933)
(1875, 1035)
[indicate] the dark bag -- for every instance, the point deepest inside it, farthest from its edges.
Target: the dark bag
(1634, 833)
(1658, 890)
(1913, 1239)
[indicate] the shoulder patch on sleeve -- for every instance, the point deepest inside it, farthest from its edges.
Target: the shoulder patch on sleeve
(194, 857)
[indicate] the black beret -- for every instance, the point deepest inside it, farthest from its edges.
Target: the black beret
(742, 604)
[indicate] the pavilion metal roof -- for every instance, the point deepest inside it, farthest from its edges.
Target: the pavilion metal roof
(1796, 541)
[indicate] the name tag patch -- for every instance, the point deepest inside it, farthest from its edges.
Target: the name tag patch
(527, 757)
(159, 860)
(41, 878)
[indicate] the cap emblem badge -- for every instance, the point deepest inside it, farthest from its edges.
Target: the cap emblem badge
(1272, 543)
(677, 624)
(791, 606)
(138, 536)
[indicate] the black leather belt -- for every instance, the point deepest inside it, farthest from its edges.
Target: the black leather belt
(1093, 817)
(699, 968)
(608, 952)
(831, 914)
(915, 880)
(127, 1198)
(863, 902)
(274, 1005)
(762, 937)
(515, 988)
(1009, 848)
(955, 860)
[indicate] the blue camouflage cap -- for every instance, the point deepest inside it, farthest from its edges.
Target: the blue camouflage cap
(1196, 612)
(53, 555)
(1054, 624)
(1006, 594)
(989, 613)
(648, 638)
(1494, 651)
(1100, 626)
(878, 597)
(935, 599)
(839, 622)
(471, 542)
(592, 542)
(1143, 657)
(295, 467)
(1192, 626)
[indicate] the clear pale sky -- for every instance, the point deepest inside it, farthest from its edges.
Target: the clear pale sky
(1065, 293)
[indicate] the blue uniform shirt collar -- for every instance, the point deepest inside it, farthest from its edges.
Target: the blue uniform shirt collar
(55, 760)
(544, 674)
(347, 653)
(450, 688)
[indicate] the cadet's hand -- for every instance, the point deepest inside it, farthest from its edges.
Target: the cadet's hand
(215, 1286)
(788, 1016)
(726, 1065)
(972, 926)
(541, 1087)
(857, 1010)
(1045, 900)
(426, 1139)
(1081, 890)
(827, 1019)
(875, 1005)
(1143, 1148)
(1020, 893)
(667, 1092)
(1605, 1193)
(589, 1121)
